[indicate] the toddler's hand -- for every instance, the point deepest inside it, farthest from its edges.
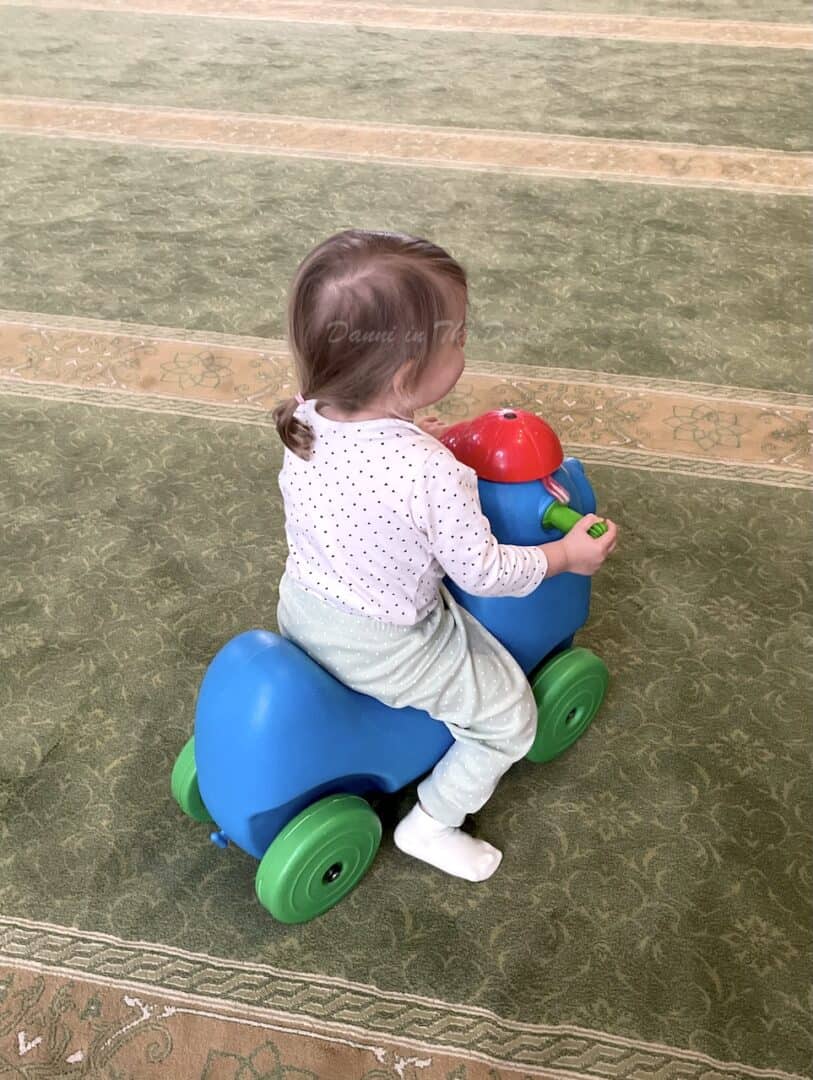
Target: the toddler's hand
(584, 553)
(432, 426)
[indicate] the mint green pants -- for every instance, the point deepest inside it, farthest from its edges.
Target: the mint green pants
(447, 664)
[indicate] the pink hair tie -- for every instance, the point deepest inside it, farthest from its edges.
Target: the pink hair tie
(300, 400)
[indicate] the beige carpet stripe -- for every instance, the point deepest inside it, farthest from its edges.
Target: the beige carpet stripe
(613, 456)
(278, 347)
(538, 23)
(588, 410)
(526, 153)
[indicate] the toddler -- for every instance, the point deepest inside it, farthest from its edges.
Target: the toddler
(377, 511)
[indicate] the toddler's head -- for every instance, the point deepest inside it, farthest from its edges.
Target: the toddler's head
(375, 320)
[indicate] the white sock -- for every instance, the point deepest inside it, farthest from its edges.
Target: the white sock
(445, 847)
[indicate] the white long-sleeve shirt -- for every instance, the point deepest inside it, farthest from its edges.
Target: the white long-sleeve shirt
(381, 512)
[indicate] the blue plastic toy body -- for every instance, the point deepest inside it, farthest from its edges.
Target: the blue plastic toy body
(532, 627)
(274, 731)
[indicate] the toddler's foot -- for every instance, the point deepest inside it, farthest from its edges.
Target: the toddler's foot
(445, 847)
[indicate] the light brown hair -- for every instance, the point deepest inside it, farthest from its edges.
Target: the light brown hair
(361, 305)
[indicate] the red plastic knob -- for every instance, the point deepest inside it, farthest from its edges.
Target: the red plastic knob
(508, 446)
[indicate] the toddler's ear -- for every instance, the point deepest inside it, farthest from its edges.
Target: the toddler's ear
(403, 375)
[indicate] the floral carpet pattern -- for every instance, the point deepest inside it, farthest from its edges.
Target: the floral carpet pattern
(627, 183)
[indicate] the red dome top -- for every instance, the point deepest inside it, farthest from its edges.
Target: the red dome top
(506, 445)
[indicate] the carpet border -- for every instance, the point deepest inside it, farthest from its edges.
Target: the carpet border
(345, 1006)
(278, 347)
(768, 475)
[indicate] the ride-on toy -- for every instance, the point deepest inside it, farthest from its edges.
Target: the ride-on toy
(282, 752)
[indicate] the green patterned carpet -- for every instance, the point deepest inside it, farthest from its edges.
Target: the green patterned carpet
(652, 917)
(663, 863)
(705, 285)
(690, 94)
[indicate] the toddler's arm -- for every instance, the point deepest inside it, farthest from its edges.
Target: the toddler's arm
(447, 509)
(579, 552)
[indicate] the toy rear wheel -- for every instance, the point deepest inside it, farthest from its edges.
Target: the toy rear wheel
(569, 690)
(184, 784)
(318, 858)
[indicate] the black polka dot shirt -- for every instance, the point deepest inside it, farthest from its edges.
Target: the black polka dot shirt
(381, 512)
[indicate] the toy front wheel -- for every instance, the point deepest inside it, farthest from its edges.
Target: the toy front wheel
(318, 858)
(569, 690)
(184, 784)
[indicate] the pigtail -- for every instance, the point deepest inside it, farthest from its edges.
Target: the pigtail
(296, 435)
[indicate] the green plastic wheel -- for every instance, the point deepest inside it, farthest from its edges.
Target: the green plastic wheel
(184, 784)
(569, 690)
(318, 858)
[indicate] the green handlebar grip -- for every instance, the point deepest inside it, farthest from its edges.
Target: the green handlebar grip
(561, 517)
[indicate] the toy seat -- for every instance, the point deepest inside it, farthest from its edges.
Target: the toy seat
(274, 732)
